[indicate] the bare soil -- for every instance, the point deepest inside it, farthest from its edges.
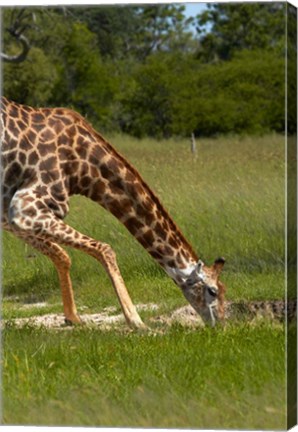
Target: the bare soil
(186, 316)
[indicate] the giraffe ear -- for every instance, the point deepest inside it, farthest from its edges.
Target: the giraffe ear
(218, 265)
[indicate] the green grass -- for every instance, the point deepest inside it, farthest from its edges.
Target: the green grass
(228, 201)
(229, 378)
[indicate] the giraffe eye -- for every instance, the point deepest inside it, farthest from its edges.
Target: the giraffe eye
(212, 291)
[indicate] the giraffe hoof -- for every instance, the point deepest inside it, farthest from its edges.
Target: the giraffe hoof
(69, 323)
(139, 326)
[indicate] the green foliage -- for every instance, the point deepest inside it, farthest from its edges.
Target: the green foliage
(140, 70)
(238, 26)
(32, 81)
(114, 28)
(137, 32)
(85, 82)
(163, 28)
(148, 103)
(244, 95)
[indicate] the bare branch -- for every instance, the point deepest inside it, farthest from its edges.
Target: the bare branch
(18, 58)
(16, 29)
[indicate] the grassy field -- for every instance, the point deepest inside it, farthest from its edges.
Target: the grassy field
(228, 201)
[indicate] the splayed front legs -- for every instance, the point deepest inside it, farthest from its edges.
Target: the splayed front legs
(44, 230)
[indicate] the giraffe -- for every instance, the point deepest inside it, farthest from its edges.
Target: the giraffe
(49, 154)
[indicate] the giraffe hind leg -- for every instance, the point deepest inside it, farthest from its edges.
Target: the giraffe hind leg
(62, 264)
(46, 226)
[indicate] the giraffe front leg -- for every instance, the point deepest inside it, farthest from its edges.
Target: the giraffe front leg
(105, 254)
(45, 225)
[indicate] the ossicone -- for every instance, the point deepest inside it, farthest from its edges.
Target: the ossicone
(218, 265)
(220, 260)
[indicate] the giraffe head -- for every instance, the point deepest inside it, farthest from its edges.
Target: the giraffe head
(203, 290)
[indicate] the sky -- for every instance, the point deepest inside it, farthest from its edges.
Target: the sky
(193, 9)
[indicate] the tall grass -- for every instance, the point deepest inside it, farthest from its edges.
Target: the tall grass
(228, 201)
(232, 378)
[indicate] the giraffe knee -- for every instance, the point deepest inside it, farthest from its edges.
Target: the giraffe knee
(64, 261)
(60, 258)
(108, 252)
(105, 254)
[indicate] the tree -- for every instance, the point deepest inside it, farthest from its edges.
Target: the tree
(133, 68)
(136, 32)
(147, 102)
(32, 81)
(244, 95)
(15, 28)
(63, 66)
(85, 82)
(238, 26)
(114, 27)
(163, 28)
(30, 77)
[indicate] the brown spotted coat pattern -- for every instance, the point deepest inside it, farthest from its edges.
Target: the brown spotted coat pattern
(49, 154)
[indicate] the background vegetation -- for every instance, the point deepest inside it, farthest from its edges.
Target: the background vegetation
(150, 71)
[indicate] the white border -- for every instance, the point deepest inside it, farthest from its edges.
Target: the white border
(114, 2)
(106, 2)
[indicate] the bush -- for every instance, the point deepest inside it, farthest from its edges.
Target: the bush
(244, 95)
(32, 81)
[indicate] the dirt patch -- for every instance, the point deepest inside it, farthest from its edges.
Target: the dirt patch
(109, 318)
(34, 305)
(185, 316)
(57, 321)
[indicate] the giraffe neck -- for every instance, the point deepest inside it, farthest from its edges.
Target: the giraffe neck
(119, 188)
(80, 161)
